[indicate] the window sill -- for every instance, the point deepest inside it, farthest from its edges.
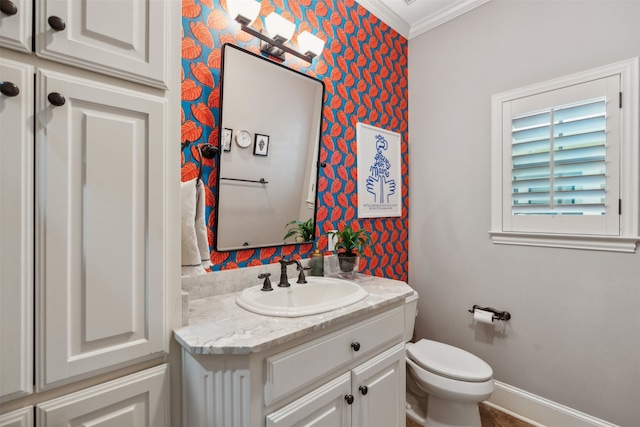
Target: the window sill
(594, 243)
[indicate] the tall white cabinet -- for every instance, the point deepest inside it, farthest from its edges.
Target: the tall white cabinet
(89, 130)
(99, 225)
(16, 230)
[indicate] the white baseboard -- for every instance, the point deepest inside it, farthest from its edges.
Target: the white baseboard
(538, 411)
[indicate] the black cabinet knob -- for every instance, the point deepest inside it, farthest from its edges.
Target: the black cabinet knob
(56, 99)
(349, 399)
(355, 346)
(9, 89)
(57, 23)
(8, 7)
(364, 390)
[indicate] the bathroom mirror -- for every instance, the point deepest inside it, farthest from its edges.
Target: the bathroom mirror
(270, 125)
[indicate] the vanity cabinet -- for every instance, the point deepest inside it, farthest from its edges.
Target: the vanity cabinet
(350, 376)
(369, 395)
(124, 38)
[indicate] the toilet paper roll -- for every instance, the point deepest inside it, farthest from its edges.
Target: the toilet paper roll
(483, 316)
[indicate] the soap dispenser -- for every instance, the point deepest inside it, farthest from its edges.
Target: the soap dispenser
(317, 264)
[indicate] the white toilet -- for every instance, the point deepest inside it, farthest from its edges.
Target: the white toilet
(444, 383)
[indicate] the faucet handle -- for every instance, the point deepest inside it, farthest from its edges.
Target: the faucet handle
(266, 286)
(301, 277)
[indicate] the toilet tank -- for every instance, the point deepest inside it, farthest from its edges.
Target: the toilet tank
(410, 313)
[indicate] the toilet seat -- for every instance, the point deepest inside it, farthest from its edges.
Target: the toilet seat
(448, 361)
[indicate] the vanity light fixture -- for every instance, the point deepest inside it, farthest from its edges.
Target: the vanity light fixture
(244, 11)
(310, 44)
(280, 31)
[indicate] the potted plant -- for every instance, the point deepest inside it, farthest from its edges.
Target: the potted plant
(350, 244)
(303, 230)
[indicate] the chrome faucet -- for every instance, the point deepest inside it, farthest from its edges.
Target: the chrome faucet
(284, 281)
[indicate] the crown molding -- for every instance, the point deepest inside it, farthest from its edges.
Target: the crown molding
(456, 9)
(389, 17)
(382, 12)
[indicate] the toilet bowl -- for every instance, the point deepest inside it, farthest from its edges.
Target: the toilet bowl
(444, 383)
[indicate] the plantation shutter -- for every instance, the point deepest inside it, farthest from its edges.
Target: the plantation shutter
(560, 161)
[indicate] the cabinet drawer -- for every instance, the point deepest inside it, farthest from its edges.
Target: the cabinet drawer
(293, 369)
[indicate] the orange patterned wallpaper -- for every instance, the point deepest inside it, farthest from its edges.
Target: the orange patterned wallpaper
(364, 68)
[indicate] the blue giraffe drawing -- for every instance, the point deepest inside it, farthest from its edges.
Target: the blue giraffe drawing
(378, 182)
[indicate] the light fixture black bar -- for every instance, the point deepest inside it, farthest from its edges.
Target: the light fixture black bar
(309, 57)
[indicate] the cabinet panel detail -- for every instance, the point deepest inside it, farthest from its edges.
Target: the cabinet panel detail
(293, 369)
(216, 395)
(121, 38)
(16, 30)
(139, 399)
(16, 232)
(324, 407)
(383, 378)
(99, 226)
(22, 417)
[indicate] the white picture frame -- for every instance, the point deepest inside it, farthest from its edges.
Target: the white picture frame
(379, 172)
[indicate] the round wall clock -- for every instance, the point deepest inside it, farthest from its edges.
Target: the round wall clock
(243, 138)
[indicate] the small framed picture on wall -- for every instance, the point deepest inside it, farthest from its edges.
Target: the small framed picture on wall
(226, 139)
(261, 145)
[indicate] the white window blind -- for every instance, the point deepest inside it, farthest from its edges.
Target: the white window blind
(559, 160)
(566, 161)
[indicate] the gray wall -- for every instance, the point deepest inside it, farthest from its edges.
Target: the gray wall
(575, 333)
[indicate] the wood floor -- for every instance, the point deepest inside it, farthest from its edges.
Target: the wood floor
(490, 418)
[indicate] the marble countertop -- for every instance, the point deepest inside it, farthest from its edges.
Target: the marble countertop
(217, 325)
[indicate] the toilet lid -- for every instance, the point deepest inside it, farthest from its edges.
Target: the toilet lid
(449, 361)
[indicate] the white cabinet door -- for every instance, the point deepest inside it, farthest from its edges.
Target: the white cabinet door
(16, 230)
(140, 399)
(20, 418)
(100, 227)
(124, 38)
(379, 390)
(324, 407)
(15, 25)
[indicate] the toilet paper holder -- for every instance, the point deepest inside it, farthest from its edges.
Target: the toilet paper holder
(497, 314)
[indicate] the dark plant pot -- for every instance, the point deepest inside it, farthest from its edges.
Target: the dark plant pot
(349, 265)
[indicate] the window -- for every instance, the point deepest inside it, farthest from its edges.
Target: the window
(565, 161)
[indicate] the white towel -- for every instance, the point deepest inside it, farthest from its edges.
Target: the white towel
(201, 227)
(195, 244)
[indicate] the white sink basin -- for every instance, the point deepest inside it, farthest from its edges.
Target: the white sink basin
(320, 294)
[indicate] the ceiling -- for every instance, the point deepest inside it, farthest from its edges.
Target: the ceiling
(413, 17)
